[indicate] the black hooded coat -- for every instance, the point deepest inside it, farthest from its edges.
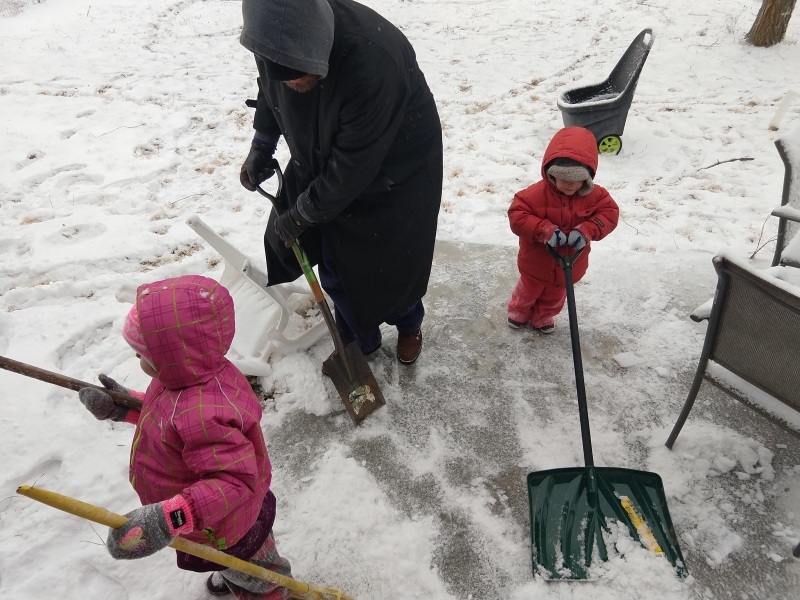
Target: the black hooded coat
(367, 144)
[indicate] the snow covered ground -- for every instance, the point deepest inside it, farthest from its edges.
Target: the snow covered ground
(120, 119)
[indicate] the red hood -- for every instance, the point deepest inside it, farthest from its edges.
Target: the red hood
(188, 325)
(576, 143)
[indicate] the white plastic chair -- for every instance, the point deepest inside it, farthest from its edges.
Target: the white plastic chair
(261, 312)
(782, 108)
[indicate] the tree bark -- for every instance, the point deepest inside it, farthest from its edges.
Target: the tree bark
(771, 22)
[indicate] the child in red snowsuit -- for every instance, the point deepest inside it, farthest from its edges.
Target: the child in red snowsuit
(565, 210)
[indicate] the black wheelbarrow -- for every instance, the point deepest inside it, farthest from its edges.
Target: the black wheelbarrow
(570, 508)
(602, 108)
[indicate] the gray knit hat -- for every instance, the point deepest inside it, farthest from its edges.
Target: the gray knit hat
(294, 33)
(570, 170)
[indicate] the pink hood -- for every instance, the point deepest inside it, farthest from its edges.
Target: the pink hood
(199, 431)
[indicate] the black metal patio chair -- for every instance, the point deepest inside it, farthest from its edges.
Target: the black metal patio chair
(752, 345)
(789, 211)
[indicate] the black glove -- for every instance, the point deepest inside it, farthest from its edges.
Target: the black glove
(290, 225)
(257, 167)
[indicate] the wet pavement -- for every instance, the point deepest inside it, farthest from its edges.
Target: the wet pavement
(485, 405)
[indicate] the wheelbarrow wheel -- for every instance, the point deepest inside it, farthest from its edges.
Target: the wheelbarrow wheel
(611, 144)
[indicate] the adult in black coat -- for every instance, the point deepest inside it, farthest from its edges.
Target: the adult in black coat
(342, 86)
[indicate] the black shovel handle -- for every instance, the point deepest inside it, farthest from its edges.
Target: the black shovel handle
(277, 200)
(566, 262)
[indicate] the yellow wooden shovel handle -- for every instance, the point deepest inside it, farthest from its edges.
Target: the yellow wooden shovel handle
(113, 520)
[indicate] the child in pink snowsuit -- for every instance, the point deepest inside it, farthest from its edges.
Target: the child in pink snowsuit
(564, 210)
(199, 462)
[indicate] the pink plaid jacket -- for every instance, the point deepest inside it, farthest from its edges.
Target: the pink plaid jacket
(198, 433)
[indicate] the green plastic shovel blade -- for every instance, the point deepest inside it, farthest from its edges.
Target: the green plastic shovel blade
(570, 508)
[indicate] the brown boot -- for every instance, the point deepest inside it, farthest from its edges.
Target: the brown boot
(324, 370)
(409, 345)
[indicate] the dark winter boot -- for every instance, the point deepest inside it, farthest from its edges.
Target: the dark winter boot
(409, 345)
(216, 585)
(370, 357)
(515, 324)
(547, 329)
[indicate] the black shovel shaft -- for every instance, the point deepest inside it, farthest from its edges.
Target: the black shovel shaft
(566, 262)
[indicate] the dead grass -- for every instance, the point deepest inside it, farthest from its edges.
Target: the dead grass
(478, 107)
(176, 255)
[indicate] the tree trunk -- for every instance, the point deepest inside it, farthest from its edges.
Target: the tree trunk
(771, 22)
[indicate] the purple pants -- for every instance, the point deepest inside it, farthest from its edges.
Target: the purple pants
(407, 321)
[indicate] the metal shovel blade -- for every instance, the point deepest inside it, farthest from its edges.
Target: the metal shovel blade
(570, 509)
(355, 383)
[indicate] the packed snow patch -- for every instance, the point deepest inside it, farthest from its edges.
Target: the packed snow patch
(703, 512)
(369, 553)
(626, 360)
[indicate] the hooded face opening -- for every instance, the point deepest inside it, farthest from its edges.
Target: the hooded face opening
(277, 72)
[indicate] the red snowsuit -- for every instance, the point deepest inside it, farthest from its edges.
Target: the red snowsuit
(537, 212)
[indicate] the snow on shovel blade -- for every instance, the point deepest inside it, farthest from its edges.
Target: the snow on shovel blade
(569, 509)
(355, 383)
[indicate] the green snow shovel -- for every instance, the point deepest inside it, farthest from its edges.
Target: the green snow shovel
(570, 508)
(347, 367)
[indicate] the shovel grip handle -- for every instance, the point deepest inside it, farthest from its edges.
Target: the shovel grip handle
(113, 520)
(65, 382)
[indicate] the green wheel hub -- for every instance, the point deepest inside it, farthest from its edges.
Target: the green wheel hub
(611, 144)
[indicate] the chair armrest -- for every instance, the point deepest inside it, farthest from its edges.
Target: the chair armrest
(788, 213)
(702, 312)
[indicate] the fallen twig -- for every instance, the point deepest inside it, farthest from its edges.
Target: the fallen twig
(120, 127)
(722, 162)
(772, 239)
(629, 225)
(174, 202)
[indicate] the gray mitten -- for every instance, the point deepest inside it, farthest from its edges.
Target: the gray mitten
(150, 528)
(557, 239)
(111, 384)
(101, 405)
(576, 239)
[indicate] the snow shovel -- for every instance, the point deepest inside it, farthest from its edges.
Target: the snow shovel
(570, 508)
(104, 517)
(65, 382)
(347, 367)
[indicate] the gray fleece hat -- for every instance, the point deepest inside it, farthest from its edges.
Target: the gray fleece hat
(293, 33)
(571, 170)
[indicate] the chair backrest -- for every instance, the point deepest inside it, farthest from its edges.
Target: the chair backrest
(789, 150)
(757, 330)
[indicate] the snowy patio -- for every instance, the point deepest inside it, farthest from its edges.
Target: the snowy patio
(121, 119)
